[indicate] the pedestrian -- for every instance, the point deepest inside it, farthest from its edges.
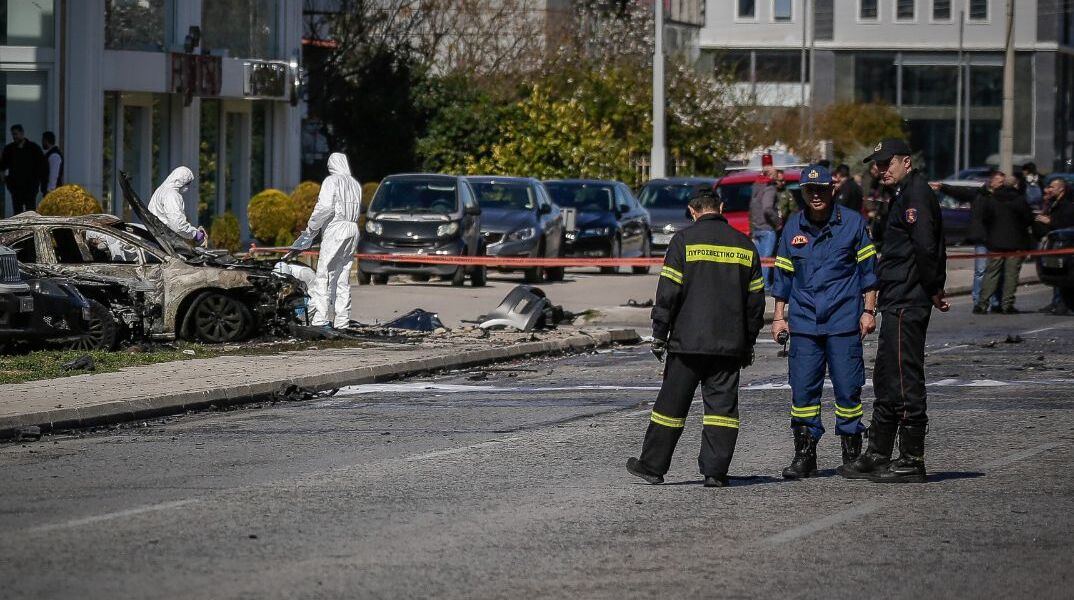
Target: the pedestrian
(764, 216)
(709, 309)
(785, 200)
(876, 205)
(978, 198)
(846, 191)
(167, 204)
(825, 292)
(1034, 195)
(335, 218)
(53, 162)
(24, 162)
(1005, 220)
(1058, 214)
(911, 272)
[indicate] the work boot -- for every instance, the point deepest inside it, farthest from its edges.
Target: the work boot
(716, 481)
(805, 454)
(876, 458)
(635, 468)
(851, 447)
(910, 468)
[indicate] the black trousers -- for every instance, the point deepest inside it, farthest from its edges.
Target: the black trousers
(899, 372)
(718, 377)
(23, 200)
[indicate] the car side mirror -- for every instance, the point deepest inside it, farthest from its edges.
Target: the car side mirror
(544, 209)
(473, 210)
(623, 209)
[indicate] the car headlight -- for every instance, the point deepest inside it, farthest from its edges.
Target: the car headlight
(447, 229)
(374, 227)
(522, 234)
(669, 228)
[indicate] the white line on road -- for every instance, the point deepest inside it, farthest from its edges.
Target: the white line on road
(948, 349)
(459, 450)
(823, 523)
(115, 515)
(1017, 456)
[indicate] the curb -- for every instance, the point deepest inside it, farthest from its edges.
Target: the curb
(142, 408)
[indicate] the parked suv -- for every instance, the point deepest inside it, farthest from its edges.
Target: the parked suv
(417, 214)
(610, 222)
(519, 219)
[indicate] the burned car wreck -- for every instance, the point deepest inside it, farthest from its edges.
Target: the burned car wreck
(38, 312)
(145, 282)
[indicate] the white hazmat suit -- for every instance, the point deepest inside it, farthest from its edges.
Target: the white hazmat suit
(167, 204)
(335, 216)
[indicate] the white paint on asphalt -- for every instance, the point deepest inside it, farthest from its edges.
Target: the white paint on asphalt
(114, 515)
(822, 523)
(948, 349)
(452, 388)
(459, 450)
(1017, 456)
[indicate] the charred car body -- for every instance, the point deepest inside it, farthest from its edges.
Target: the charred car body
(147, 282)
(37, 311)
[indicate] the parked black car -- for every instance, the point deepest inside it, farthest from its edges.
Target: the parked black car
(422, 214)
(667, 200)
(1058, 270)
(519, 219)
(610, 220)
(38, 311)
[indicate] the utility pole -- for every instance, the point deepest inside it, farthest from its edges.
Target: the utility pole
(812, 62)
(802, 75)
(958, 95)
(1006, 136)
(658, 158)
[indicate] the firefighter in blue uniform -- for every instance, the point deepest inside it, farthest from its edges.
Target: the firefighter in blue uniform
(825, 292)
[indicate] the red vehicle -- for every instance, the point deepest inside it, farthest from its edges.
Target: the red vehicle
(736, 188)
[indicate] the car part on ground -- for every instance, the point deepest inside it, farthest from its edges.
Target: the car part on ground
(416, 320)
(525, 308)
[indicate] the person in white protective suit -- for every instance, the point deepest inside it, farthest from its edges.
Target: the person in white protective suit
(335, 217)
(167, 205)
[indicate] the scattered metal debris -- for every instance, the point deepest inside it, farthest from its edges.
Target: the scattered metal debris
(293, 393)
(526, 308)
(82, 363)
(417, 320)
(1013, 339)
(632, 303)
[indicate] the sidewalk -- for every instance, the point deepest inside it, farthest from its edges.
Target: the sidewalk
(168, 388)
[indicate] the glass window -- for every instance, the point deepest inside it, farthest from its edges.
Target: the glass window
(505, 195)
(779, 67)
(867, 10)
(208, 167)
(978, 10)
(941, 10)
(734, 63)
(782, 10)
(666, 195)
(736, 196)
(244, 28)
(747, 9)
(583, 196)
(134, 25)
(108, 152)
(26, 23)
(415, 195)
(875, 78)
(986, 86)
(258, 138)
(929, 85)
(904, 10)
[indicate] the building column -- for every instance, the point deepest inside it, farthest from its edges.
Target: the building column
(84, 95)
(185, 122)
(286, 120)
(1045, 98)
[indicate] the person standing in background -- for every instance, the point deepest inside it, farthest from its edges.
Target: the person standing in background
(847, 192)
(24, 162)
(764, 216)
(53, 163)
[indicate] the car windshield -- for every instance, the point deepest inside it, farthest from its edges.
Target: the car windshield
(415, 196)
(504, 195)
(657, 195)
(593, 197)
(736, 196)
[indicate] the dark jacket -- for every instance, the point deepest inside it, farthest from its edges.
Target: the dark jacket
(710, 298)
(764, 215)
(1062, 214)
(1005, 218)
(850, 195)
(978, 198)
(25, 166)
(913, 260)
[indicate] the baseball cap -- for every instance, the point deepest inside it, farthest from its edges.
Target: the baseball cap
(815, 175)
(888, 148)
(766, 160)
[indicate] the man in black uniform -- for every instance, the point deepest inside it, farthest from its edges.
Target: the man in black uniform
(709, 309)
(911, 272)
(847, 192)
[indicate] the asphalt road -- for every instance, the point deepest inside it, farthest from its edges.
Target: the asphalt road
(497, 483)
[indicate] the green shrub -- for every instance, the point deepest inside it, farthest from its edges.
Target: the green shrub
(304, 198)
(368, 189)
(225, 233)
(69, 201)
(272, 217)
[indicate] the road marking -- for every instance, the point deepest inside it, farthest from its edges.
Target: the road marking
(459, 450)
(823, 523)
(1017, 456)
(115, 515)
(948, 349)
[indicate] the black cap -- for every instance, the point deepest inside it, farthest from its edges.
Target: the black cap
(888, 148)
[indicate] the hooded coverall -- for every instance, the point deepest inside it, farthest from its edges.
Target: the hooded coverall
(167, 204)
(336, 217)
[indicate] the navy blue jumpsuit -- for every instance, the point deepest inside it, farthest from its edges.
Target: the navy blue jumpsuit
(822, 274)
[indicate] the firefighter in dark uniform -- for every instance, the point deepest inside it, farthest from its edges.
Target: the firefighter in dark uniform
(709, 309)
(912, 271)
(825, 291)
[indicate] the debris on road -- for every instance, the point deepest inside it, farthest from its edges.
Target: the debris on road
(632, 303)
(82, 363)
(417, 320)
(293, 393)
(526, 308)
(1013, 339)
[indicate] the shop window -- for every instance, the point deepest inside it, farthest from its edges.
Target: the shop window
(25, 23)
(941, 10)
(258, 143)
(747, 9)
(134, 25)
(978, 10)
(243, 28)
(867, 10)
(875, 78)
(735, 64)
(904, 10)
(782, 10)
(986, 86)
(929, 85)
(778, 67)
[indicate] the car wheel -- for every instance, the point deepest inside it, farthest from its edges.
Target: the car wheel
(420, 277)
(535, 274)
(381, 279)
(459, 278)
(102, 332)
(645, 252)
(479, 276)
(218, 318)
(617, 252)
(363, 277)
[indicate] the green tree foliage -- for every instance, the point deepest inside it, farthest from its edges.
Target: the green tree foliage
(225, 232)
(304, 198)
(272, 217)
(853, 126)
(463, 123)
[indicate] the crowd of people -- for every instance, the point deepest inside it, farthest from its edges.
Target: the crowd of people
(30, 170)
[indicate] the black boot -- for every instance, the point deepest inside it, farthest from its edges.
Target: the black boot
(635, 468)
(910, 468)
(851, 447)
(805, 454)
(876, 458)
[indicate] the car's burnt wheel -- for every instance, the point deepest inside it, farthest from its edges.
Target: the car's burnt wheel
(102, 331)
(217, 318)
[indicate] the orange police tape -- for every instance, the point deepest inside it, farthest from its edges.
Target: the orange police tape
(505, 261)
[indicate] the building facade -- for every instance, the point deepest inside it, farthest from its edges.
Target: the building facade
(907, 53)
(143, 86)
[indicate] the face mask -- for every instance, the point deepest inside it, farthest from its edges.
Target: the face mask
(184, 189)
